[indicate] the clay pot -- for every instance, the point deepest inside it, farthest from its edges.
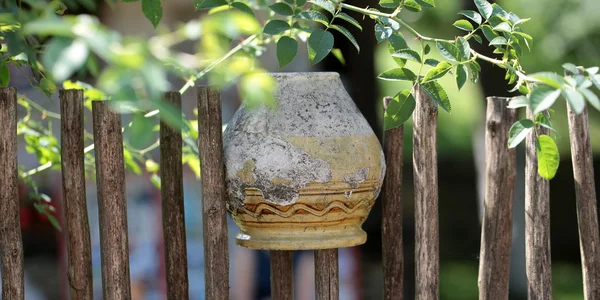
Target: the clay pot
(305, 174)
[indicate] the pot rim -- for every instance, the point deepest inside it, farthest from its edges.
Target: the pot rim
(284, 75)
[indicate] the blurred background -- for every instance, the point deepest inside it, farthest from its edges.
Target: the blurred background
(563, 31)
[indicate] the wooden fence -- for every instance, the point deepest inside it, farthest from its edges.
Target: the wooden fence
(496, 230)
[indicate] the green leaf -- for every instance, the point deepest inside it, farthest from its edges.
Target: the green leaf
(464, 25)
(473, 15)
(397, 43)
(399, 110)
(243, 7)
(461, 76)
(592, 71)
(398, 74)
(385, 21)
(478, 38)
(427, 49)
(300, 2)
(551, 79)
(592, 98)
(63, 57)
(324, 4)
(426, 3)
(347, 34)
(437, 72)
(503, 27)
(485, 8)
(518, 102)
(438, 94)
(464, 48)
(337, 53)
(575, 99)
(571, 68)
(548, 157)
(475, 69)
(389, 3)
(276, 27)
(206, 4)
(287, 48)
(320, 44)
(432, 62)
(349, 19)
(499, 12)
(488, 32)
(518, 132)
(47, 86)
(499, 41)
(4, 75)
(313, 15)
(281, 8)
(408, 54)
(449, 51)
(382, 33)
(542, 97)
(153, 11)
(412, 5)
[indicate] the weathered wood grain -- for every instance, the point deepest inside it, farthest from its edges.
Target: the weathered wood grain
(210, 145)
(537, 224)
(171, 188)
(327, 286)
(112, 206)
(587, 211)
(425, 172)
(391, 206)
(11, 242)
(500, 174)
(282, 275)
(77, 225)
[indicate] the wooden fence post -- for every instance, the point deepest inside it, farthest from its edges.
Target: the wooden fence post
(282, 275)
(11, 243)
(171, 190)
(426, 197)
(391, 224)
(500, 173)
(327, 286)
(587, 217)
(537, 224)
(112, 206)
(77, 225)
(210, 145)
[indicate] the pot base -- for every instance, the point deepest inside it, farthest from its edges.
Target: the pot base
(305, 241)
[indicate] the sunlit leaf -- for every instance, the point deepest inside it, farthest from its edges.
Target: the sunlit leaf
(485, 8)
(349, 19)
(461, 76)
(464, 25)
(408, 54)
(574, 98)
(438, 94)
(449, 51)
(399, 110)
(518, 132)
(437, 72)
(473, 15)
(548, 157)
(398, 74)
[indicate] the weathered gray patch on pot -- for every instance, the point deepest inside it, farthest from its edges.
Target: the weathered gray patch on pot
(309, 105)
(357, 177)
(270, 164)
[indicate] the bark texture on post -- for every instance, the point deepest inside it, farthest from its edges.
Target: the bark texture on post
(587, 216)
(171, 190)
(210, 145)
(537, 224)
(426, 197)
(112, 207)
(391, 205)
(77, 225)
(11, 242)
(500, 173)
(327, 274)
(282, 275)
